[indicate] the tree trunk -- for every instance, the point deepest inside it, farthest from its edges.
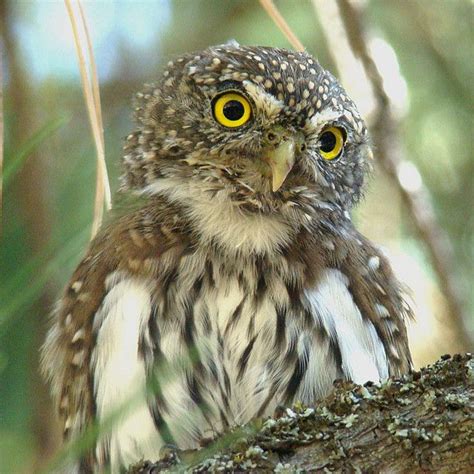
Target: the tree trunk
(422, 422)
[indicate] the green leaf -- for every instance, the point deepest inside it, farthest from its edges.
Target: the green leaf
(30, 146)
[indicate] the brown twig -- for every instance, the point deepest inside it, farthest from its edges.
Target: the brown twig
(91, 95)
(277, 17)
(390, 154)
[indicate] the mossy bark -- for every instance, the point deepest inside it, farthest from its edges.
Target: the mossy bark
(422, 422)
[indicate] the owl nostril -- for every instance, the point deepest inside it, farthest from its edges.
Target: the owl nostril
(302, 147)
(174, 149)
(272, 137)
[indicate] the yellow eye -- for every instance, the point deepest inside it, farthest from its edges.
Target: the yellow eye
(331, 143)
(232, 110)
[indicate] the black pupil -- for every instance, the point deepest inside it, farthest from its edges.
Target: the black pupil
(233, 110)
(328, 141)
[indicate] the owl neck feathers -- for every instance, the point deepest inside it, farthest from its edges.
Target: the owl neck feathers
(217, 221)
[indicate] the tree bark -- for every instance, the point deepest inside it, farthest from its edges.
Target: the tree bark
(421, 422)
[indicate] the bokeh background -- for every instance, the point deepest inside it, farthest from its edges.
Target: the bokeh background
(425, 49)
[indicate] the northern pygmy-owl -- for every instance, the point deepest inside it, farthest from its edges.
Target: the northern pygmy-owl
(238, 281)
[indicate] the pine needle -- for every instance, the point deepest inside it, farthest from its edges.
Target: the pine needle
(278, 19)
(90, 89)
(98, 108)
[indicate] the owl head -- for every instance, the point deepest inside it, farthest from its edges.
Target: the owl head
(264, 127)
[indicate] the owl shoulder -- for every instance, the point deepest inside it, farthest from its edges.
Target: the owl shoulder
(133, 245)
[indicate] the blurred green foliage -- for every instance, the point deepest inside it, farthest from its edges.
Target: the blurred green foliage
(50, 162)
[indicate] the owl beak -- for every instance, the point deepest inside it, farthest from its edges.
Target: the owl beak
(281, 159)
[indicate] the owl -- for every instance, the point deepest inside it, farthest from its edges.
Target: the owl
(234, 280)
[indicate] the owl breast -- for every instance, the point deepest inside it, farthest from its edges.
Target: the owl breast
(220, 342)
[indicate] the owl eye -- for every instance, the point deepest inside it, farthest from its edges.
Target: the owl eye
(232, 110)
(331, 142)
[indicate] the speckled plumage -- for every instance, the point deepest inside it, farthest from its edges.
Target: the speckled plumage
(229, 297)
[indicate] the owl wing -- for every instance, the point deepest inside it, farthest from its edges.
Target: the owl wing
(131, 248)
(380, 298)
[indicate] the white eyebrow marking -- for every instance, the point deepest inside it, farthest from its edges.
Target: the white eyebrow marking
(265, 102)
(320, 119)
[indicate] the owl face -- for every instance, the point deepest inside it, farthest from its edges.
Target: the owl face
(263, 125)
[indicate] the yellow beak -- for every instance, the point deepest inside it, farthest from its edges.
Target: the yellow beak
(281, 159)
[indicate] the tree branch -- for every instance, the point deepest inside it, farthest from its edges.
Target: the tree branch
(420, 422)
